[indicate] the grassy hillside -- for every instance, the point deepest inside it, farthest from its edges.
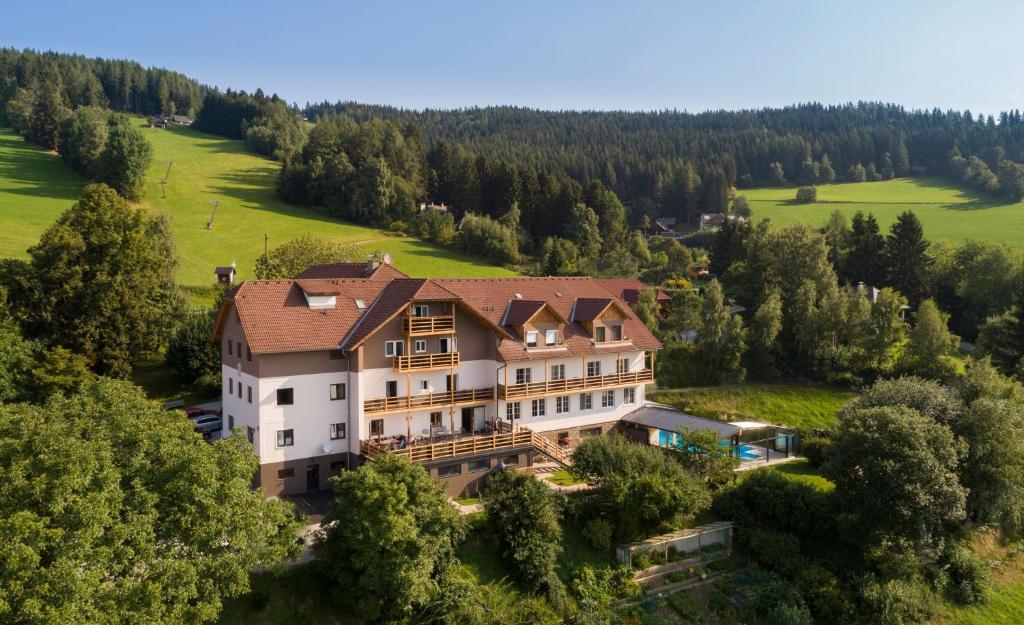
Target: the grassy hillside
(35, 188)
(794, 405)
(947, 212)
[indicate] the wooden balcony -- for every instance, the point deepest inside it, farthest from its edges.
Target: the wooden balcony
(507, 437)
(425, 326)
(571, 385)
(426, 362)
(428, 400)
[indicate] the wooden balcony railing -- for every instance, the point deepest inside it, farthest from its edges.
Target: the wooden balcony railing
(425, 362)
(424, 326)
(507, 437)
(428, 400)
(568, 385)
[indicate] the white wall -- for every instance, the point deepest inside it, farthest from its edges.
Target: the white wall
(309, 416)
(244, 413)
(575, 417)
(472, 374)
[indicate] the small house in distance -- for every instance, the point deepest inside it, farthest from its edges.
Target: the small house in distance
(226, 275)
(429, 207)
(158, 121)
(629, 289)
(711, 222)
(181, 120)
(666, 227)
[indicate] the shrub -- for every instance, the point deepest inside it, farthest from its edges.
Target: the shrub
(598, 532)
(190, 351)
(896, 602)
(641, 560)
(970, 578)
(807, 194)
(815, 449)
(789, 614)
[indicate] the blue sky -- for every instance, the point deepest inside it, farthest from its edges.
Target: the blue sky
(561, 53)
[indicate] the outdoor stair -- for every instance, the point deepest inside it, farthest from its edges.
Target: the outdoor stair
(562, 457)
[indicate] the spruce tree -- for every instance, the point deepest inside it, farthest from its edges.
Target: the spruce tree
(906, 258)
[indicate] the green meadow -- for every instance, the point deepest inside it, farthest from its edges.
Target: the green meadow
(35, 188)
(948, 212)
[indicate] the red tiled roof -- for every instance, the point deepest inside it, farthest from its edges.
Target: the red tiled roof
(589, 308)
(520, 311)
(628, 289)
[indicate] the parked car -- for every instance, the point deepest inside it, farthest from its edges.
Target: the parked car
(208, 424)
(194, 411)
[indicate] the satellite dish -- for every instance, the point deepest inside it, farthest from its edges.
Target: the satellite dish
(328, 447)
(387, 259)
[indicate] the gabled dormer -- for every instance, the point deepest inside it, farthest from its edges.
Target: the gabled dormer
(602, 318)
(536, 322)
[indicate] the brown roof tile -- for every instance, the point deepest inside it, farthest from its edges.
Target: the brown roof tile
(350, 270)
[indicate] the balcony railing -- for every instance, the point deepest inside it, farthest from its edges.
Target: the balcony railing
(507, 437)
(428, 400)
(424, 326)
(554, 387)
(425, 362)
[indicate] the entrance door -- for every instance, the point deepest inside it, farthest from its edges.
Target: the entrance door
(312, 477)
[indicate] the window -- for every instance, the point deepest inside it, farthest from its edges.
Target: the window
(420, 310)
(586, 401)
(622, 365)
(451, 382)
(248, 353)
(337, 467)
(285, 438)
(285, 473)
(513, 410)
(250, 434)
(539, 407)
(589, 432)
(248, 393)
(510, 460)
(377, 427)
(557, 372)
(337, 431)
(599, 334)
(231, 347)
(616, 333)
(424, 385)
(531, 338)
(231, 422)
(336, 354)
(550, 337)
(593, 368)
(435, 419)
(394, 348)
(629, 395)
(607, 398)
(285, 397)
(337, 391)
(231, 386)
(360, 304)
(391, 388)
(419, 346)
(523, 375)
(562, 404)
(479, 465)
(449, 470)
(448, 344)
(239, 389)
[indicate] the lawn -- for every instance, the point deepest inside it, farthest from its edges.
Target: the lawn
(35, 188)
(947, 212)
(798, 471)
(1005, 606)
(793, 405)
(564, 478)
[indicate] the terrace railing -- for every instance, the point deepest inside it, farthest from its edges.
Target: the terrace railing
(424, 326)
(426, 362)
(567, 385)
(428, 400)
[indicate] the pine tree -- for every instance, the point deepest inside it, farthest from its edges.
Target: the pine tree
(864, 262)
(906, 258)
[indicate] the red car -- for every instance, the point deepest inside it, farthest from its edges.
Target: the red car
(194, 411)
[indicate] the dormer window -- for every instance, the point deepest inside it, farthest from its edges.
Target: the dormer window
(550, 337)
(599, 334)
(531, 338)
(420, 310)
(616, 333)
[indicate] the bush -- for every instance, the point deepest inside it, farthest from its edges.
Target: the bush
(970, 578)
(807, 194)
(191, 352)
(789, 614)
(598, 532)
(484, 236)
(896, 602)
(815, 449)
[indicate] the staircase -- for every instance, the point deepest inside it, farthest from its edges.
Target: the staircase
(561, 456)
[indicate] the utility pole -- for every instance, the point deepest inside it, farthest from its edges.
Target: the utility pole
(266, 238)
(209, 224)
(163, 181)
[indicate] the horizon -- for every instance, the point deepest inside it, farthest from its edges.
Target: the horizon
(574, 57)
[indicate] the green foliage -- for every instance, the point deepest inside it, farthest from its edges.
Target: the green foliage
(461, 600)
(1001, 339)
(148, 524)
(906, 258)
(388, 538)
(931, 350)
(277, 131)
(116, 297)
(16, 361)
(435, 226)
(807, 194)
(970, 577)
(191, 350)
(292, 258)
(702, 453)
(895, 472)
(125, 160)
(815, 449)
(896, 601)
(487, 237)
(721, 340)
(639, 487)
(521, 515)
(599, 533)
(765, 327)
(926, 397)
(646, 308)
(993, 468)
